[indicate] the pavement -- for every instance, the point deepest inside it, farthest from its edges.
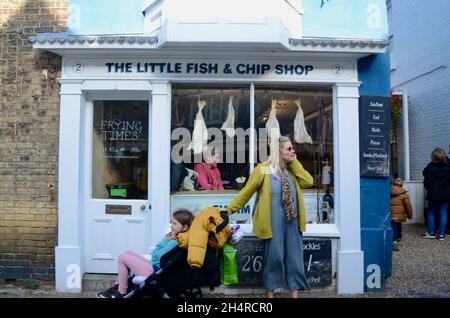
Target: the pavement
(421, 269)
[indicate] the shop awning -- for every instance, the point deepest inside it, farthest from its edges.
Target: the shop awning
(56, 40)
(61, 43)
(320, 44)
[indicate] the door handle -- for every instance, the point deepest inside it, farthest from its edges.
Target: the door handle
(143, 207)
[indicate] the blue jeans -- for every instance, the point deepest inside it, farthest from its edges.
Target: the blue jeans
(441, 207)
(397, 231)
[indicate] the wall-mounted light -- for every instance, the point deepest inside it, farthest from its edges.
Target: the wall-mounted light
(44, 74)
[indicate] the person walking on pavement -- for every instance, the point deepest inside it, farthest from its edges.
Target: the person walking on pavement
(401, 210)
(437, 183)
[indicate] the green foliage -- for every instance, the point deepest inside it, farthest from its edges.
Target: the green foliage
(32, 286)
(396, 106)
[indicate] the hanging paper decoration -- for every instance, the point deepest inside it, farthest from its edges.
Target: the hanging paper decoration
(228, 125)
(200, 133)
(300, 134)
(272, 125)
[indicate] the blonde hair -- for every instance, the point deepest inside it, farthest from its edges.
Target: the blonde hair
(274, 157)
(438, 155)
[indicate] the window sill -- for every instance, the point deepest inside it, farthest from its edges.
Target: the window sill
(312, 230)
(203, 192)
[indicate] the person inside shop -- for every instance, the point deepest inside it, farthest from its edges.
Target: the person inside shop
(137, 264)
(437, 183)
(209, 177)
(401, 210)
(279, 217)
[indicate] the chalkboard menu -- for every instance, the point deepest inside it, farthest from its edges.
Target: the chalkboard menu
(317, 258)
(374, 136)
(316, 255)
(250, 253)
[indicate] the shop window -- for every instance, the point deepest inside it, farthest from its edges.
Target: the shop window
(225, 114)
(311, 137)
(120, 150)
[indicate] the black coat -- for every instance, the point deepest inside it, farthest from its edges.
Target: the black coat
(180, 275)
(437, 181)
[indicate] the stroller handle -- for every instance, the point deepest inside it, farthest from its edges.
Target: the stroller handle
(221, 226)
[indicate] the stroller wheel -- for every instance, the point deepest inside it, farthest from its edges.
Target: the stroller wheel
(197, 293)
(191, 293)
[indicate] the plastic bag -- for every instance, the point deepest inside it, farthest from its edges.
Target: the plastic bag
(236, 234)
(189, 181)
(228, 265)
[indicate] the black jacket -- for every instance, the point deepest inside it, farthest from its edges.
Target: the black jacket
(179, 275)
(437, 181)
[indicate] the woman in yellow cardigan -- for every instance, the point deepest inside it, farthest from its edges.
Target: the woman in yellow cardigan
(279, 217)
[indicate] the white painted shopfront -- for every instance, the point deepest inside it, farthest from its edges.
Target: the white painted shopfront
(139, 74)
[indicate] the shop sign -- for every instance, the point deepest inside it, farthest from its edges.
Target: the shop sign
(316, 255)
(374, 137)
(232, 68)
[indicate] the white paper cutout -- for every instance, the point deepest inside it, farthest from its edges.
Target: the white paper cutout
(200, 133)
(300, 134)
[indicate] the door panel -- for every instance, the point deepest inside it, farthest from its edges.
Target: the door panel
(117, 214)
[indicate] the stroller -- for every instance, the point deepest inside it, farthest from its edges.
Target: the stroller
(175, 278)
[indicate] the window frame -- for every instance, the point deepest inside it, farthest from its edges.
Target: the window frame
(314, 229)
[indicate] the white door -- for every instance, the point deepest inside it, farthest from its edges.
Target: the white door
(116, 160)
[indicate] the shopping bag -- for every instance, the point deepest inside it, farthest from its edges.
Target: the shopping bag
(228, 265)
(236, 234)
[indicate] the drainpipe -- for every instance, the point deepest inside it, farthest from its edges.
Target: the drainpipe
(406, 135)
(406, 167)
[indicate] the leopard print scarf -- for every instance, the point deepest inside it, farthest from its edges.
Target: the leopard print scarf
(287, 197)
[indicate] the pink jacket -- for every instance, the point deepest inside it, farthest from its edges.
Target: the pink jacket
(208, 178)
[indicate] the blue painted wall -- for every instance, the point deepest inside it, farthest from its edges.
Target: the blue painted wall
(363, 19)
(101, 17)
(376, 232)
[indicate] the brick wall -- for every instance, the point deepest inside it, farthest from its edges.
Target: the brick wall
(29, 99)
(421, 53)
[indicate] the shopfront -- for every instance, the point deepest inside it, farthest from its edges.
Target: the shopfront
(133, 116)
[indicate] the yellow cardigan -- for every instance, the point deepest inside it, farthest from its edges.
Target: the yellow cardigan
(260, 181)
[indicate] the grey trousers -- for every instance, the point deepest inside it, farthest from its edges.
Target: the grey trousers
(283, 253)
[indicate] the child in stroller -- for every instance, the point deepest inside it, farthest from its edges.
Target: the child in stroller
(184, 270)
(180, 276)
(131, 262)
(176, 278)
